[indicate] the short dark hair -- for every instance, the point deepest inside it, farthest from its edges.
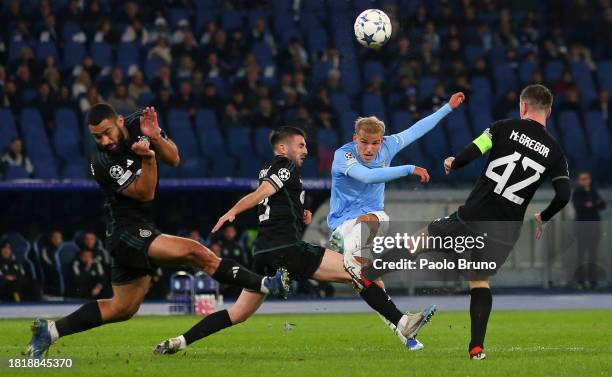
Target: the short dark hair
(99, 112)
(538, 96)
(283, 133)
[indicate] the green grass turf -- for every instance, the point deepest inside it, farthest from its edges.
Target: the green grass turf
(551, 343)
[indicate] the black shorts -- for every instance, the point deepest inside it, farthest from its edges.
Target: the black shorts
(301, 259)
(485, 249)
(129, 246)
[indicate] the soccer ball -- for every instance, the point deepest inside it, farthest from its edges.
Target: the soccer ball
(372, 28)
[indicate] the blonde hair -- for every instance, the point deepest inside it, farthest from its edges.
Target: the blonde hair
(370, 125)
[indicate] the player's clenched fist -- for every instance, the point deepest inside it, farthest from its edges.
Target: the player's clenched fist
(456, 100)
(448, 163)
(421, 173)
(142, 149)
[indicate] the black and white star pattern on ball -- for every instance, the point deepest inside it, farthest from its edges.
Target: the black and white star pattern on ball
(284, 174)
(368, 38)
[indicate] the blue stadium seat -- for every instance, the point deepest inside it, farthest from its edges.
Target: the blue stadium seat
(340, 102)
(145, 99)
(604, 75)
(262, 142)
(400, 120)
(526, 71)
(74, 52)
(212, 144)
(15, 48)
(459, 131)
(44, 49)
(473, 52)
(309, 168)
(239, 145)
(479, 102)
(584, 81)
(574, 142)
(481, 120)
(8, 131)
(319, 72)
(15, 172)
(598, 135)
(309, 20)
(347, 124)
(75, 169)
(67, 136)
(176, 14)
(151, 67)
(317, 40)
(203, 17)
(373, 104)
(102, 54)
(21, 250)
(179, 127)
(435, 143)
(69, 30)
(481, 84)
(426, 86)
(505, 78)
(372, 69)
(128, 54)
(553, 71)
(231, 19)
(350, 80)
(263, 53)
(37, 145)
(327, 138)
(64, 256)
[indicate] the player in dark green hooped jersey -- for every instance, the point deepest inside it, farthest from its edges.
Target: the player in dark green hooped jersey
(125, 167)
(280, 205)
(522, 155)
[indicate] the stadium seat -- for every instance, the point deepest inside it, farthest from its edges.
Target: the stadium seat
(350, 80)
(239, 146)
(14, 49)
(213, 145)
(128, 55)
(67, 136)
(8, 131)
(526, 71)
(459, 131)
(37, 145)
(604, 75)
(473, 52)
(400, 121)
(340, 102)
(574, 142)
(261, 138)
(44, 49)
(317, 40)
(231, 19)
(64, 256)
(373, 104)
(263, 53)
(426, 86)
(101, 53)
(553, 71)
(69, 31)
(347, 124)
(598, 135)
(74, 52)
(505, 78)
(319, 72)
(179, 127)
(21, 252)
(373, 69)
(151, 67)
(584, 81)
(481, 85)
(328, 139)
(176, 14)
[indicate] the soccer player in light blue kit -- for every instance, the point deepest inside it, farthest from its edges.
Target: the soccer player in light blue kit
(359, 172)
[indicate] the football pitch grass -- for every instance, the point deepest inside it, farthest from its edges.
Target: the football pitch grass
(538, 343)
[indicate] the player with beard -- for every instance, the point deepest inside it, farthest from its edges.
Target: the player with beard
(125, 167)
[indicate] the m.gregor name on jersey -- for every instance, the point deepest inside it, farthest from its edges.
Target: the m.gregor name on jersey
(530, 143)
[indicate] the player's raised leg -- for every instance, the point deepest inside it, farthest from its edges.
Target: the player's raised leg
(167, 250)
(247, 304)
(481, 302)
(122, 306)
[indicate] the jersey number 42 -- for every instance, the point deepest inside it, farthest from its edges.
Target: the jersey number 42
(510, 162)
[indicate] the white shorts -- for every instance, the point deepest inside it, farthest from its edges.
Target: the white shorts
(344, 234)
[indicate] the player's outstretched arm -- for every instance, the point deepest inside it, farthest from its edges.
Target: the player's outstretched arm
(563, 192)
(167, 151)
(380, 175)
(475, 149)
(248, 201)
(426, 124)
(142, 188)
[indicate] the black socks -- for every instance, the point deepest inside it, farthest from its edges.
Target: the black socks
(209, 325)
(378, 300)
(84, 318)
(230, 272)
(480, 308)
